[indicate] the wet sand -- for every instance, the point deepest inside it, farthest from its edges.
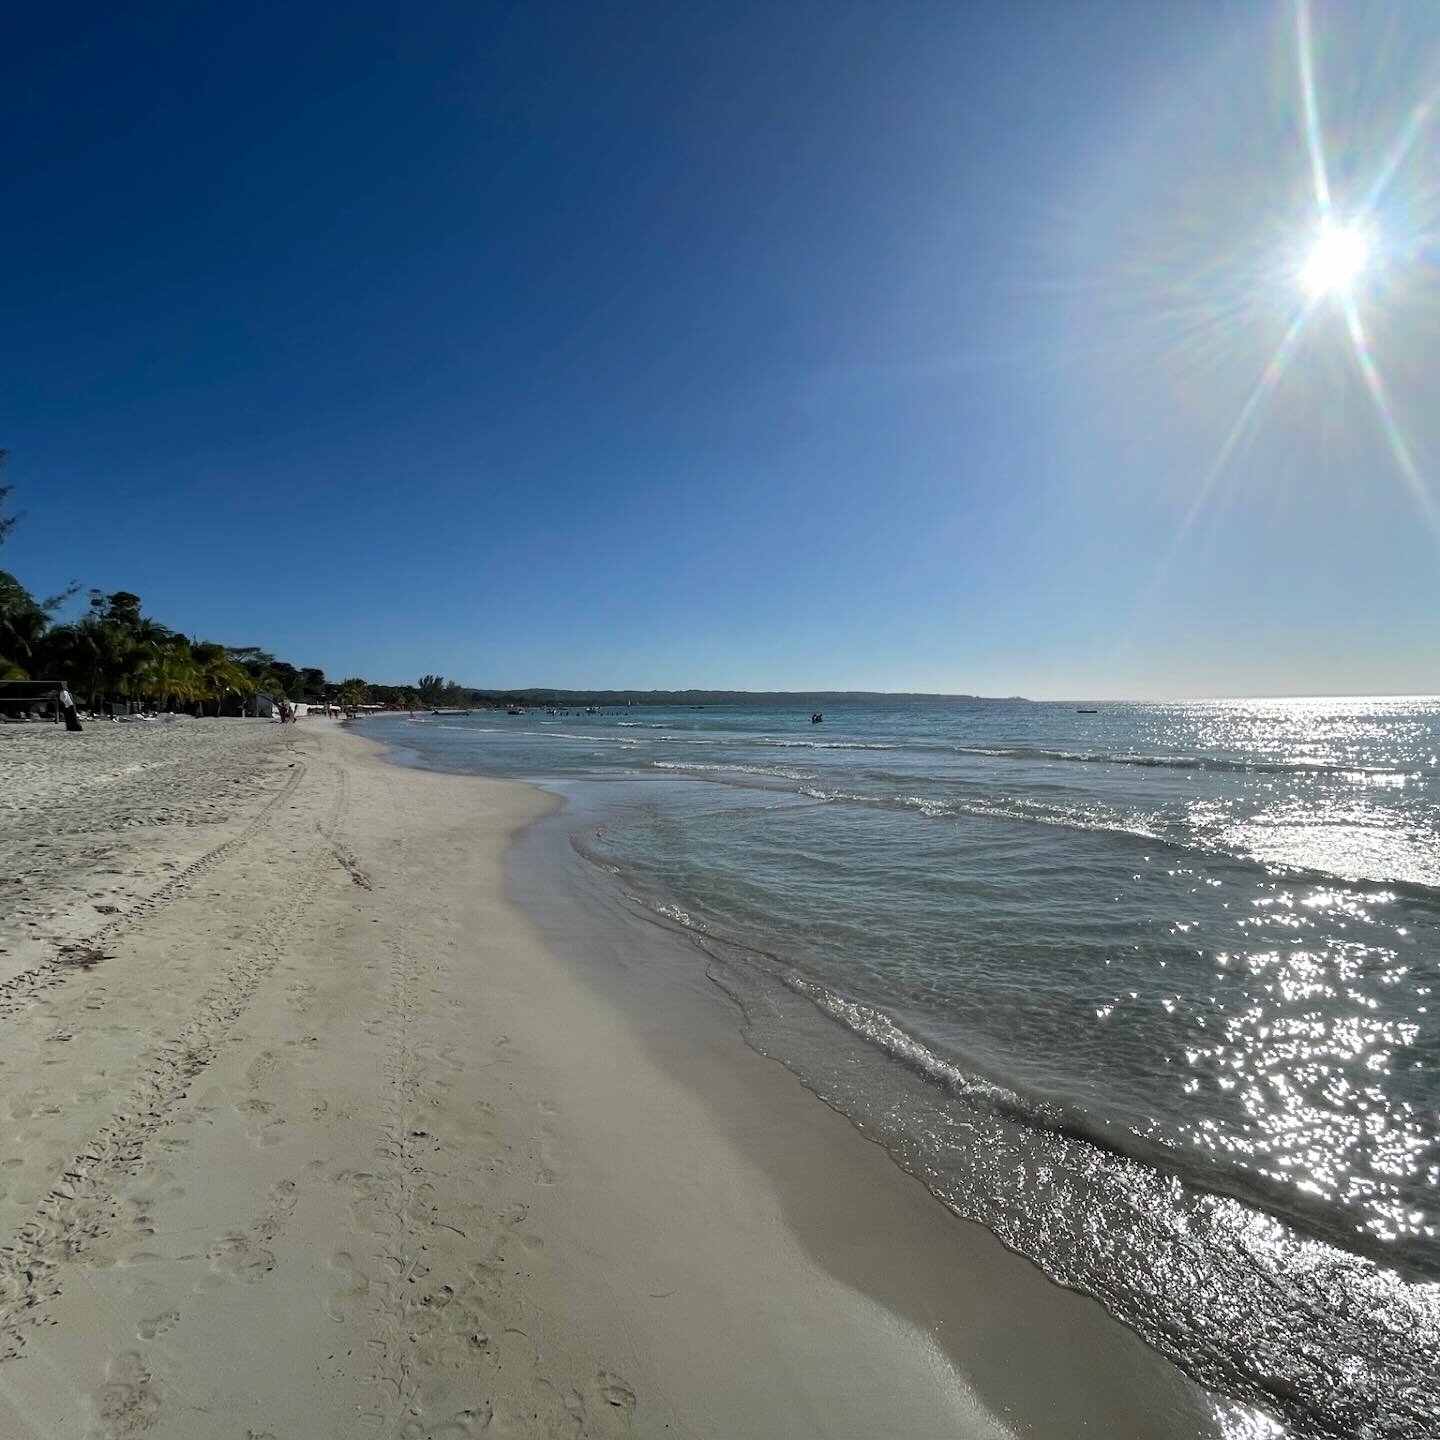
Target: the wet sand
(313, 1124)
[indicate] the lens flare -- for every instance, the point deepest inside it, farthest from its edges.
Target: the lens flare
(1336, 261)
(1335, 246)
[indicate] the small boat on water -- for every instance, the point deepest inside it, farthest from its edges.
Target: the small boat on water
(514, 710)
(1086, 712)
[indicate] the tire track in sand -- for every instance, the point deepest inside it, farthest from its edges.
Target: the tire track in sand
(81, 1206)
(19, 990)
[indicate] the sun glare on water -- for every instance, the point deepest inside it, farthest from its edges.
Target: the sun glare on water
(1336, 261)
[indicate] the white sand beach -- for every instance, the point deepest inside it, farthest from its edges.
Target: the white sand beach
(305, 1132)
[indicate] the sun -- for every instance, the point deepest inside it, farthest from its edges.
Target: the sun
(1336, 261)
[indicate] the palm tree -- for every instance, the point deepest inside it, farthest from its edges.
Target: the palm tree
(272, 683)
(23, 623)
(219, 674)
(163, 672)
(150, 656)
(95, 657)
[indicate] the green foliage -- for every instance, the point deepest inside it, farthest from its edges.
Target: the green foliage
(121, 609)
(23, 623)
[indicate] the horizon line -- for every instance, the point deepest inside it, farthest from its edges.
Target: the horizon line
(939, 694)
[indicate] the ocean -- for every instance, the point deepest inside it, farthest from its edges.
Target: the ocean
(1149, 992)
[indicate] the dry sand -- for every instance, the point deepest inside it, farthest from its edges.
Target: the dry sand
(305, 1133)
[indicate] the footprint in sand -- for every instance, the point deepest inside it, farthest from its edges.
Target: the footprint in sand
(264, 1124)
(236, 1257)
(159, 1324)
(610, 1405)
(127, 1404)
(461, 1425)
(261, 1068)
(342, 1302)
(283, 1195)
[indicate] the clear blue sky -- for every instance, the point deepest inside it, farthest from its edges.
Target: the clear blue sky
(790, 345)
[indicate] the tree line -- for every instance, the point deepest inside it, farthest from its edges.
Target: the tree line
(116, 653)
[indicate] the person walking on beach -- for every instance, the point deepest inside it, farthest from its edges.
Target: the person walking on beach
(67, 709)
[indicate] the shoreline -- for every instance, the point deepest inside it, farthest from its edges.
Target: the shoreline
(341, 1135)
(1042, 1359)
(1054, 1029)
